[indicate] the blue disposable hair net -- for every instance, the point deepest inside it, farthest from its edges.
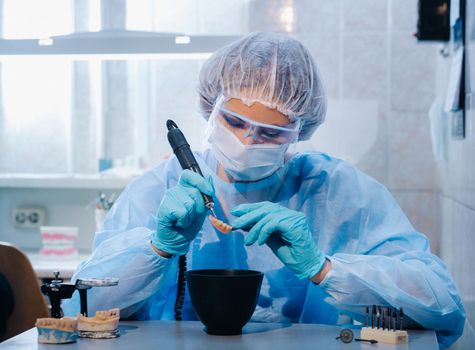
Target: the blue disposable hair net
(269, 68)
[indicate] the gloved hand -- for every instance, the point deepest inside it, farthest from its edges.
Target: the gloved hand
(285, 231)
(181, 213)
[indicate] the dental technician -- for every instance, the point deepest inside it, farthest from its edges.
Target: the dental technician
(328, 238)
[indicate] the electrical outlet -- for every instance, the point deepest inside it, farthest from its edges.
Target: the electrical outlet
(28, 217)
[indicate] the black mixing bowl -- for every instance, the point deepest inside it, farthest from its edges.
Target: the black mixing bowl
(224, 300)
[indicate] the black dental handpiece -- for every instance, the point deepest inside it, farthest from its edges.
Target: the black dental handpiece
(187, 160)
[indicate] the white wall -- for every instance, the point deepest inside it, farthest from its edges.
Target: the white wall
(63, 208)
(456, 187)
(379, 80)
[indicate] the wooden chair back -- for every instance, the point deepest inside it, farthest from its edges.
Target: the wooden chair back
(29, 302)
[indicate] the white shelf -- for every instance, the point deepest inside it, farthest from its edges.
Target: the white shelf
(45, 266)
(63, 181)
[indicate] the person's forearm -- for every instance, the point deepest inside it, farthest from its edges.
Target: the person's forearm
(160, 252)
(317, 278)
(419, 283)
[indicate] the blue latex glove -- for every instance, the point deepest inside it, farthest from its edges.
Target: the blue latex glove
(181, 213)
(285, 231)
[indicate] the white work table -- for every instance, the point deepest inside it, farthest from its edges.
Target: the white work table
(190, 335)
(45, 266)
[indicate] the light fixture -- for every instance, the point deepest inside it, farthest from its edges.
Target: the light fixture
(182, 39)
(45, 42)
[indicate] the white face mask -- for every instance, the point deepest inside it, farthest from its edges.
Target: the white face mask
(245, 162)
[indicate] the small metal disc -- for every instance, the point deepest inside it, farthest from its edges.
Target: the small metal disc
(346, 335)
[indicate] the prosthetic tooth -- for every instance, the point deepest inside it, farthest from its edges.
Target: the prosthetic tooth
(65, 324)
(220, 225)
(115, 312)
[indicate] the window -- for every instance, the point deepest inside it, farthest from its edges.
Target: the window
(60, 115)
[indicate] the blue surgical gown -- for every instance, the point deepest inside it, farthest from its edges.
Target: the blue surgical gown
(377, 256)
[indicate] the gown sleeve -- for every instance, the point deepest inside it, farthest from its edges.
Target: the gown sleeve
(388, 262)
(122, 250)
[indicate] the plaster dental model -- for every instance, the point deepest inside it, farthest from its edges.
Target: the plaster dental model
(103, 325)
(57, 330)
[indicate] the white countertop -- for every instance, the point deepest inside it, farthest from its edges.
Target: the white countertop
(190, 335)
(45, 266)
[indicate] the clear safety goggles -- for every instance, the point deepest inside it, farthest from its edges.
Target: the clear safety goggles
(260, 132)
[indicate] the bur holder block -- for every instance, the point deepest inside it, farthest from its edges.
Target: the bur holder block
(384, 335)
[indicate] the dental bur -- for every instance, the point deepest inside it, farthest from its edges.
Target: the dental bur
(384, 324)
